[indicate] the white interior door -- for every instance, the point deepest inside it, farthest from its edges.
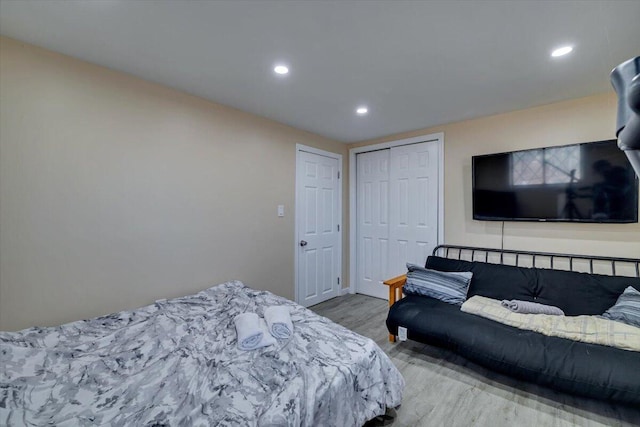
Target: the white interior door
(413, 220)
(318, 228)
(372, 232)
(396, 212)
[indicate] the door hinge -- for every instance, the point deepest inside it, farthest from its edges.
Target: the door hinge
(338, 226)
(338, 174)
(338, 280)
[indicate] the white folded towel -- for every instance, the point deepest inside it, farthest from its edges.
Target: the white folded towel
(278, 320)
(252, 332)
(266, 338)
(528, 307)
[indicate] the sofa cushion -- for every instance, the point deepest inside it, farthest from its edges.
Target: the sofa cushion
(580, 368)
(450, 287)
(581, 293)
(492, 280)
(574, 293)
(626, 309)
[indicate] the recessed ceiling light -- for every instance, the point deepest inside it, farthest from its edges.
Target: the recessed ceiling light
(561, 51)
(281, 69)
(362, 110)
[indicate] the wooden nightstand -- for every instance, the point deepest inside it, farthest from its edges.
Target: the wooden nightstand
(395, 293)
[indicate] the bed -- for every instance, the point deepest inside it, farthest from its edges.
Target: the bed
(176, 362)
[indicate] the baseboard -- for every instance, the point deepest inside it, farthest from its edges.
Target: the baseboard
(345, 291)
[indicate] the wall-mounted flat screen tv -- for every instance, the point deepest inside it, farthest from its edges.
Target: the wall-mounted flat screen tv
(588, 182)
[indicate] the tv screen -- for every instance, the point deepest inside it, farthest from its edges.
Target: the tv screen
(589, 182)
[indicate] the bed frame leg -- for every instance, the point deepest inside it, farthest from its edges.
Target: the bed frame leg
(392, 338)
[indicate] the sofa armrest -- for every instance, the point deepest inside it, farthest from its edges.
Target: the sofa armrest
(395, 293)
(395, 287)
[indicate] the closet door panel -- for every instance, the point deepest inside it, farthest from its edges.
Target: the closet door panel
(372, 234)
(413, 217)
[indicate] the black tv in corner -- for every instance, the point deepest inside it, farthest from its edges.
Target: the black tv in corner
(589, 182)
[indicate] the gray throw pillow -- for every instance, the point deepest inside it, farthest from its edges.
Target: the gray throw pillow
(447, 287)
(627, 308)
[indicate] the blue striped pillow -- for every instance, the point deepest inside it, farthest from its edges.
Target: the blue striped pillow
(447, 287)
(627, 308)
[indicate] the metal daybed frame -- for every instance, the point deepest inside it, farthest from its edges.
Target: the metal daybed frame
(461, 250)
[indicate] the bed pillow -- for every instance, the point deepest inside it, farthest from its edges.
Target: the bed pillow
(626, 309)
(447, 287)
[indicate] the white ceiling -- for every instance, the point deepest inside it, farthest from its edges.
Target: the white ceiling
(415, 64)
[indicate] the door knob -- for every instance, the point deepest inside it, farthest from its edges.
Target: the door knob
(303, 243)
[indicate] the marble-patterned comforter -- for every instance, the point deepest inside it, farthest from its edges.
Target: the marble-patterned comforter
(176, 363)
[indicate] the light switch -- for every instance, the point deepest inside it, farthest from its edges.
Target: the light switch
(280, 210)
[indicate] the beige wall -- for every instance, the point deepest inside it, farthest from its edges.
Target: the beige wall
(580, 120)
(115, 192)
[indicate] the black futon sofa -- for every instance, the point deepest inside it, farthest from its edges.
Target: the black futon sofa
(580, 368)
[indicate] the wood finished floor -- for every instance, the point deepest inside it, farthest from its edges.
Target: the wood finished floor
(444, 389)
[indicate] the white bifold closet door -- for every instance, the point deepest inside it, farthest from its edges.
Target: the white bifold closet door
(372, 213)
(397, 212)
(413, 215)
